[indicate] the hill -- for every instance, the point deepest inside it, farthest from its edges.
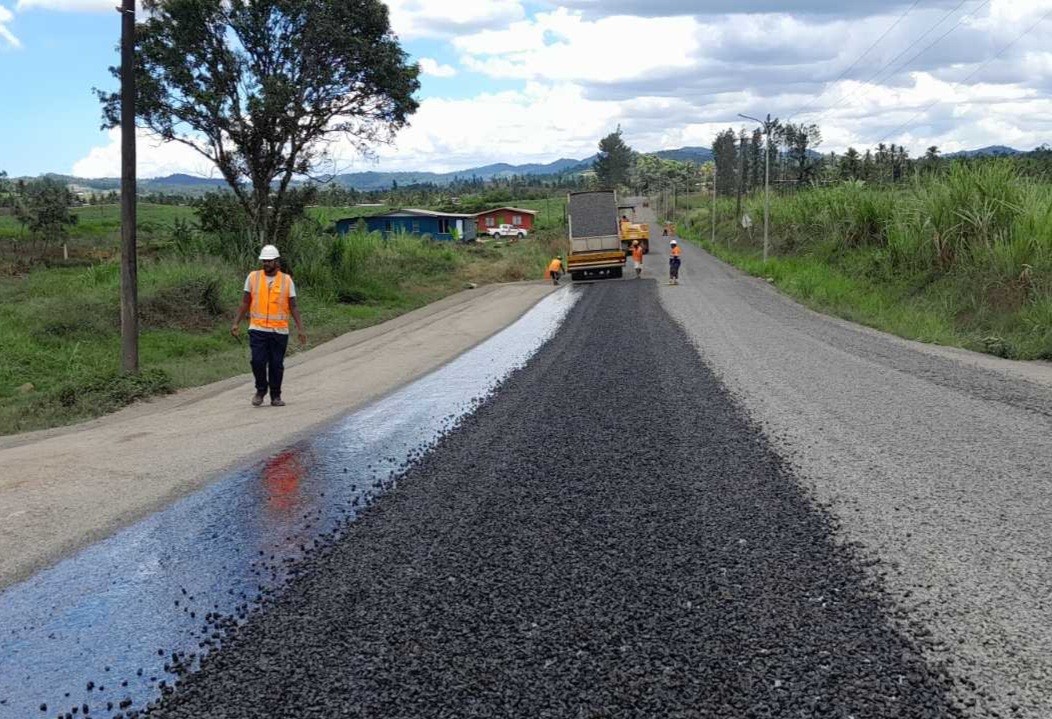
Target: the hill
(374, 180)
(991, 151)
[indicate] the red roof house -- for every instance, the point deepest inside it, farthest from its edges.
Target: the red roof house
(505, 216)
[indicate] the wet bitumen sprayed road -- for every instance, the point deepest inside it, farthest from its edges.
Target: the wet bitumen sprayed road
(114, 626)
(608, 535)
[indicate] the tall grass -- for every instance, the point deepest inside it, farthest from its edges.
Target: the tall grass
(975, 242)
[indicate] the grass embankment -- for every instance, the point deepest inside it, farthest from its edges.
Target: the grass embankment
(961, 259)
(61, 324)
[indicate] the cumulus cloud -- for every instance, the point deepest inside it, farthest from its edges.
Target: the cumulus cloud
(443, 19)
(68, 5)
(154, 158)
(6, 36)
(432, 67)
(563, 45)
(671, 77)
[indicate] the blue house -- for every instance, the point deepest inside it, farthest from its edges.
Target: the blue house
(437, 225)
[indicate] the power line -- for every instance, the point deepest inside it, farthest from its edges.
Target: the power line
(880, 72)
(972, 74)
(858, 59)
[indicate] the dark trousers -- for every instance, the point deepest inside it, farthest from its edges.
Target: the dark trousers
(673, 268)
(268, 360)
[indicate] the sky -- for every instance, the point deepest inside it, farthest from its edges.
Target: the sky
(533, 81)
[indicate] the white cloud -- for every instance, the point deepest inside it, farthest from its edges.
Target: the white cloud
(154, 158)
(673, 81)
(442, 18)
(68, 5)
(563, 45)
(432, 67)
(5, 34)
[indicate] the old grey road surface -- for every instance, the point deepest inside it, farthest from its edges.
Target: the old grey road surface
(938, 462)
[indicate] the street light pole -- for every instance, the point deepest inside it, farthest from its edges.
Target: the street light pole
(766, 181)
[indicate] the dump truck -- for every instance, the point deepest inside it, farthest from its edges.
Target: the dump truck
(630, 230)
(595, 242)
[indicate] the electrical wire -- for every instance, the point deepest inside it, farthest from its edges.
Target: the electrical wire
(857, 60)
(972, 74)
(879, 75)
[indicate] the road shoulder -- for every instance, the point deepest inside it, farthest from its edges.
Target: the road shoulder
(64, 488)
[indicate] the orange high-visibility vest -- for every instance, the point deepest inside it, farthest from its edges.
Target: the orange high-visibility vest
(270, 305)
(637, 253)
(675, 251)
(555, 265)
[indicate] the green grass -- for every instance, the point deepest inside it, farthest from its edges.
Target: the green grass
(962, 259)
(61, 324)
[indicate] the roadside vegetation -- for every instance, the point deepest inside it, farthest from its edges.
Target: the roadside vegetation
(959, 255)
(59, 362)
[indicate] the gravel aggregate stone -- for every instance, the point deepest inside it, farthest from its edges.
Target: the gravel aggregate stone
(607, 536)
(937, 462)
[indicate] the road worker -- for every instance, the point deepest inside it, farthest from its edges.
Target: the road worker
(556, 268)
(674, 261)
(269, 299)
(637, 257)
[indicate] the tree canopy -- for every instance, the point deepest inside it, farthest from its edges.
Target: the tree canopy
(262, 88)
(613, 161)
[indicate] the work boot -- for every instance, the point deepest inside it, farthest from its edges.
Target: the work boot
(277, 402)
(257, 400)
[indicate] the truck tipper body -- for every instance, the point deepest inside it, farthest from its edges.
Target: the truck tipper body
(595, 242)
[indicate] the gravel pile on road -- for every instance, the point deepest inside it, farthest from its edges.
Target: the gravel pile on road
(607, 536)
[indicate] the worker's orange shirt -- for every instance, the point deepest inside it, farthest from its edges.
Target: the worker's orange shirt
(637, 254)
(675, 252)
(555, 266)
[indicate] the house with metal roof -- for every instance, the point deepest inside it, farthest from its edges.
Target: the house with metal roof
(437, 225)
(515, 216)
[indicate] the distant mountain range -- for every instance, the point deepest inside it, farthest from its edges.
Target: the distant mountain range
(991, 151)
(366, 181)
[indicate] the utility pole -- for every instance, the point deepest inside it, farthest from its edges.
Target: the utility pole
(767, 125)
(741, 176)
(129, 259)
(713, 203)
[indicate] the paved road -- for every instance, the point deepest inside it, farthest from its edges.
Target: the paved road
(938, 462)
(608, 536)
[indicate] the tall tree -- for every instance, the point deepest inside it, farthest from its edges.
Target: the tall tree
(261, 88)
(613, 161)
(725, 157)
(800, 140)
(851, 165)
(756, 150)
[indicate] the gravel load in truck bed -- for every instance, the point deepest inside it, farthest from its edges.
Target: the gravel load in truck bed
(606, 536)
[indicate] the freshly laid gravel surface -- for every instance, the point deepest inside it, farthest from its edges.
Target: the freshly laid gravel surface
(607, 536)
(937, 461)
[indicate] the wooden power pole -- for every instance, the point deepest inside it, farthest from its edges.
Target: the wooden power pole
(129, 258)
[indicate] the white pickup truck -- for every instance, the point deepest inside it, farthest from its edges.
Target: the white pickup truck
(506, 231)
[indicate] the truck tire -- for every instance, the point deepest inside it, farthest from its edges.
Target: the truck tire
(616, 272)
(521, 236)
(577, 276)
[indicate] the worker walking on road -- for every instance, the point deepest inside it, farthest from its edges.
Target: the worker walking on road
(637, 257)
(555, 269)
(674, 261)
(269, 299)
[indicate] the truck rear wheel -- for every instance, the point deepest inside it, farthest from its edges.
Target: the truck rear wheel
(576, 276)
(616, 272)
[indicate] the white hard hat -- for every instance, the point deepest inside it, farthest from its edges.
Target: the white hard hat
(673, 242)
(269, 252)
